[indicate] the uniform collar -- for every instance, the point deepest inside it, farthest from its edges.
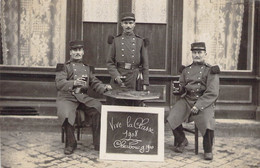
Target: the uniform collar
(128, 34)
(198, 63)
(76, 61)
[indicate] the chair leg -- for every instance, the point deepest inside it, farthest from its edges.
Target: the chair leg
(62, 134)
(196, 140)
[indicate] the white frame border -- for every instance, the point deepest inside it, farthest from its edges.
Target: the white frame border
(137, 157)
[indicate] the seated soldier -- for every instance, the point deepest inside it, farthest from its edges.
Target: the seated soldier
(199, 90)
(72, 81)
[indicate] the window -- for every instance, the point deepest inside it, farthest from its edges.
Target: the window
(226, 26)
(32, 32)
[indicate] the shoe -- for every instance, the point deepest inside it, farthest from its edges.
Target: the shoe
(68, 150)
(208, 156)
(96, 147)
(180, 147)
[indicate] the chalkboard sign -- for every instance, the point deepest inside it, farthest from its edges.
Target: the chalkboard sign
(132, 133)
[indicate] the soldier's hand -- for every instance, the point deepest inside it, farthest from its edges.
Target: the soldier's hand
(194, 110)
(118, 80)
(108, 87)
(79, 82)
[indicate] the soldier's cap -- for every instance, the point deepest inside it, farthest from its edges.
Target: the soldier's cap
(198, 46)
(76, 44)
(127, 16)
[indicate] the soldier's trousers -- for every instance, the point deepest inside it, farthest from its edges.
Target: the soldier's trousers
(69, 134)
(96, 120)
(179, 136)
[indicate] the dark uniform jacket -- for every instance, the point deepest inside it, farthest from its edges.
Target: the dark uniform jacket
(128, 49)
(67, 99)
(199, 87)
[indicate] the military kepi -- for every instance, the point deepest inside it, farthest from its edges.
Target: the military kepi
(198, 46)
(127, 16)
(76, 44)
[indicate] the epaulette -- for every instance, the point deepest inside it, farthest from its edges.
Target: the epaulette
(110, 39)
(189, 65)
(215, 69)
(138, 36)
(146, 40)
(92, 69)
(68, 62)
(182, 68)
(59, 67)
(208, 65)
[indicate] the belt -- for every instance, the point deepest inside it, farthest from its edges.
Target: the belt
(195, 94)
(127, 65)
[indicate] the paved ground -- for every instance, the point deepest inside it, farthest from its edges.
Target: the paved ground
(44, 149)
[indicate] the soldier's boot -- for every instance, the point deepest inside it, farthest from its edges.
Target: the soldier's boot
(180, 140)
(207, 144)
(71, 143)
(96, 129)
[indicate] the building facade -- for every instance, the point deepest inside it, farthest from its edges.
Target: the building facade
(35, 37)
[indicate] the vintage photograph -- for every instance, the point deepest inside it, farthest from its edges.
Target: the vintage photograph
(129, 83)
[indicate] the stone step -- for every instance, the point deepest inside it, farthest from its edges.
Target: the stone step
(224, 127)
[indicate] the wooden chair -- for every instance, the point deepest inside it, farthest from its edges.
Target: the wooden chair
(196, 133)
(79, 124)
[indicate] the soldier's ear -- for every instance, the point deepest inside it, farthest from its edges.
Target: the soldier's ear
(182, 68)
(215, 69)
(146, 42)
(110, 39)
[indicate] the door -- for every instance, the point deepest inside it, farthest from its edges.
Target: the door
(156, 20)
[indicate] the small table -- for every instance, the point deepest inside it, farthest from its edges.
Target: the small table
(130, 95)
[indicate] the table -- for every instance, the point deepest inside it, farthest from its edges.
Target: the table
(124, 96)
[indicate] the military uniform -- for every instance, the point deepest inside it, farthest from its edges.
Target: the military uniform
(199, 87)
(68, 100)
(126, 57)
(70, 97)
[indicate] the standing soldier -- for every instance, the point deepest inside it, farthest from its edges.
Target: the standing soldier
(127, 58)
(72, 81)
(199, 90)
